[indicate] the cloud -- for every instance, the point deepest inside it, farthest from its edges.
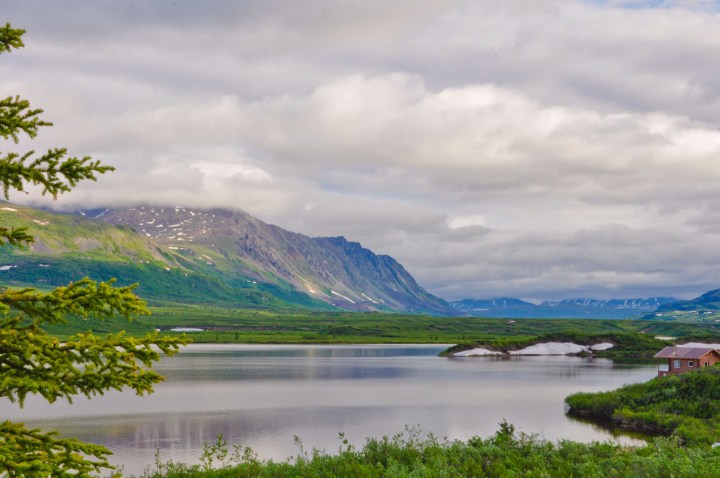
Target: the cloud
(534, 149)
(608, 261)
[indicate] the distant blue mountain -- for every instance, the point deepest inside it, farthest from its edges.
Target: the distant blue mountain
(708, 301)
(508, 307)
(470, 305)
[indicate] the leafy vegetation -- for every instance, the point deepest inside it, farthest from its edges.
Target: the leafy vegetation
(687, 406)
(506, 454)
(32, 361)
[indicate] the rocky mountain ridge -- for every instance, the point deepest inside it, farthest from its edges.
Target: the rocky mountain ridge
(329, 269)
(214, 257)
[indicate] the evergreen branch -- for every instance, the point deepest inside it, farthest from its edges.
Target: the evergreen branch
(33, 362)
(52, 171)
(33, 453)
(84, 298)
(16, 116)
(17, 237)
(10, 38)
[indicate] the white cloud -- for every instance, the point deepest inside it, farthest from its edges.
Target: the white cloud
(535, 149)
(461, 222)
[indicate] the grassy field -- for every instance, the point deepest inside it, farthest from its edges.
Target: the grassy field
(225, 325)
(317, 327)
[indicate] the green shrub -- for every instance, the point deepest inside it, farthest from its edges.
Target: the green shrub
(686, 405)
(505, 454)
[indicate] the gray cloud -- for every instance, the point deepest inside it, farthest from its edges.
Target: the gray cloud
(535, 149)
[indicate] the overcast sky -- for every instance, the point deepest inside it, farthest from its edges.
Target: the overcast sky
(526, 148)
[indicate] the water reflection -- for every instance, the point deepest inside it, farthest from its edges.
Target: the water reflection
(261, 396)
(608, 426)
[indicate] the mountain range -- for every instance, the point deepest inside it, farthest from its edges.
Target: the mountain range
(229, 258)
(706, 302)
(214, 256)
(705, 308)
(508, 307)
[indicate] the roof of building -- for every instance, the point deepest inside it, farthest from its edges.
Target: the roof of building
(685, 352)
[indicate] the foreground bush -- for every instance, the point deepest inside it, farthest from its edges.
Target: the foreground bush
(506, 454)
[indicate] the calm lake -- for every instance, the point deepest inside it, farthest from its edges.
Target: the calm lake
(262, 396)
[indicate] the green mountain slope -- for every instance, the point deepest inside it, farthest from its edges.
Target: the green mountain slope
(215, 257)
(68, 247)
(708, 301)
(705, 308)
(333, 270)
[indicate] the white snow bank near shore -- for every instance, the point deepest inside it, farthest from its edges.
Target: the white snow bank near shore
(560, 348)
(548, 348)
(697, 345)
(476, 352)
(552, 348)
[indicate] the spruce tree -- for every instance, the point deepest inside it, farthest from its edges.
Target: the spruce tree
(33, 361)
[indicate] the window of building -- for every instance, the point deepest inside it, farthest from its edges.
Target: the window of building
(691, 364)
(676, 364)
(706, 364)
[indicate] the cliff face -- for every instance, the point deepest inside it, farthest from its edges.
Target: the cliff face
(237, 245)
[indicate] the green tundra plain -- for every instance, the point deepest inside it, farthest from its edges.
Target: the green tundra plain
(228, 325)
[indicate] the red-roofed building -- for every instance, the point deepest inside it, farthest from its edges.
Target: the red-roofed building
(685, 359)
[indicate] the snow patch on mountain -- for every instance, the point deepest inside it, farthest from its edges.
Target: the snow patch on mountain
(343, 296)
(368, 298)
